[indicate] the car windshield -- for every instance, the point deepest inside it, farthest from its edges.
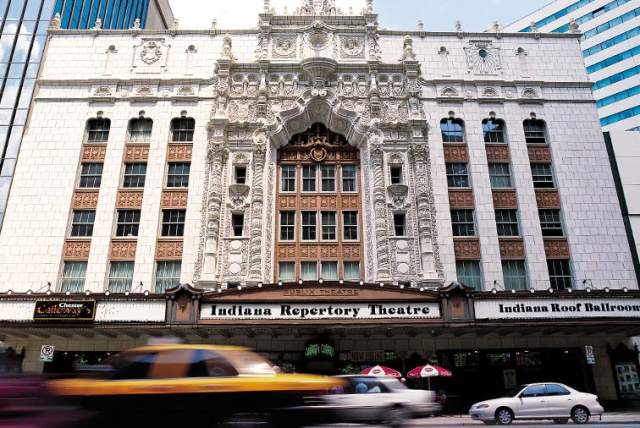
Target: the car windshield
(514, 391)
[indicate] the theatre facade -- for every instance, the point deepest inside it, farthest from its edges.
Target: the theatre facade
(334, 194)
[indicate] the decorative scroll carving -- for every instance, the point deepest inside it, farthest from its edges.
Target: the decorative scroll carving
(85, 200)
(169, 250)
(456, 153)
(123, 250)
(94, 152)
(461, 199)
(505, 199)
(512, 249)
(497, 153)
(174, 199)
(130, 199)
(77, 250)
(467, 249)
(380, 208)
(136, 152)
(548, 198)
(556, 248)
(539, 154)
(257, 206)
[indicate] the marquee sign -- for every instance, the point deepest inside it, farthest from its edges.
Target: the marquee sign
(557, 308)
(64, 311)
(319, 311)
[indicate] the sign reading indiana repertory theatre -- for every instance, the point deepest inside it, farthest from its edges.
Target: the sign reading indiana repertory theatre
(557, 308)
(64, 311)
(319, 311)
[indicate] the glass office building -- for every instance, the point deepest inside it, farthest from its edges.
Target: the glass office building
(23, 33)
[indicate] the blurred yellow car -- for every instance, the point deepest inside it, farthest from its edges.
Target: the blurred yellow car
(223, 385)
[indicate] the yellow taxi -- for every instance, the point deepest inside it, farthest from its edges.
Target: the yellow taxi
(219, 385)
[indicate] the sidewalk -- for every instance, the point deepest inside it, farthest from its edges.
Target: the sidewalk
(620, 417)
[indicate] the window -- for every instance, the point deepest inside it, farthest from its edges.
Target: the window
(309, 225)
(98, 130)
(463, 223)
(167, 275)
(288, 178)
(134, 174)
(182, 129)
(90, 175)
(554, 389)
(140, 130)
(73, 277)
(493, 131)
(287, 271)
(308, 178)
(349, 180)
(210, 364)
(240, 174)
(178, 174)
(550, 222)
(400, 224)
(328, 178)
(560, 274)
(515, 275)
(507, 222)
(457, 175)
(120, 277)
(287, 225)
(309, 271)
(469, 273)
(534, 391)
(329, 271)
(542, 176)
(452, 130)
(133, 365)
(128, 223)
(535, 131)
(173, 222)
(500, 175)
(328, 219)
(396, 174)
(237, 224)
(82, 223)
(351, 271)
(350, 225)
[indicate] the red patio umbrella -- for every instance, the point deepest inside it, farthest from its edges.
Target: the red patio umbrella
(428, 371)
(381, 371)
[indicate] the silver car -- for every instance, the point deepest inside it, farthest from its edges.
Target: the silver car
(539, 401)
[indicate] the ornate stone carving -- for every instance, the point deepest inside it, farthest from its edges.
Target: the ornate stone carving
(556, 248)
(376, 154)
(227, 48)
(77, 250)
(94, 153)
(318, 7)
(179, 152)
(174, 199)
(150, 52)
(285, 46)
(150, 55)
(257, 205)
(352, 46)
(505, 199)
(483, 58)
(129, 199)
(136, 152)
(123, 250)
(169, 250)
(398, 196)
(467, 249)
(461, 199)
(512, 249)
(456, 153)
(85, 200)
(407, 51)
(548, 198)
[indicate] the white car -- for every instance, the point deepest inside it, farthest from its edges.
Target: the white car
(379, 399)
(539, 401)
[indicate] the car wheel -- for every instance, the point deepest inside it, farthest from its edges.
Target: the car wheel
(246, 420)
(580, 415)
(396, 417)
(560, 421)
(504, 416)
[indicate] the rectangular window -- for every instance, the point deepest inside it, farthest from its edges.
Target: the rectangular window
(350, 225)
(309, 224)
(128, 223)
(82, 223)
(515, 275)
(457, 175)
(287, 225)
(328, 219)
(309, 271)
(178, 174)
(329, 271)
(551, 222)
(507, 222)
(286, 271)
(400, 224)
(396, 174)
(560, 274)
(140, 130)
(351, 271)
(134, 175)
(349, 180)
(542, 176)
(240, 175)
(328, 173)
(98, 130)
(534, 132)
(120, 277)
(469, 273)
(173, 222)
(167, 275)
(237, 224)
(308, 178)
(288, 178)
(182, 129)
(90, 175)
(463, 223)
(73, 277)
(500, 176)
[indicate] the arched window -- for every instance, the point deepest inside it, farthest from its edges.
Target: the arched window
(452, 130)
(140, 130)
(535, 131)
(182, 129)
(493, 130)
(98, 130)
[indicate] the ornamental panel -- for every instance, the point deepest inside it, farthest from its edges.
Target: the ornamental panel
(169, 250)
(308, 252)
(461, 199)
(456, 153)
(539, 154)
(556, 248)
(136, 152)
(85, 200)
(351, 252)
(94, 153)
(286, 251)
(179, 152)
(328, 202)
(287, 202)
(467, 249)
(512, 249)
(123, 250)
(548, 198)
(77, 250)
(498, 153)
(505, 199)
(351, 202)
(174, 199)
(129, 199)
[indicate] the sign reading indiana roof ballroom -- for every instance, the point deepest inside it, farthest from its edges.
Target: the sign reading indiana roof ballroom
(319, 311)
(557, 308)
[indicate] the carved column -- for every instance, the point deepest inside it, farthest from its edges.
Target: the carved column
(257, 208)
(380, 212)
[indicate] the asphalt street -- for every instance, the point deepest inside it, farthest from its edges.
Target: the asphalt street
(515, 425)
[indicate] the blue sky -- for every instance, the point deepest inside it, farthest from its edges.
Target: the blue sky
(475, 15)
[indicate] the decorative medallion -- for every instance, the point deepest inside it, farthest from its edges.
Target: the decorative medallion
(285, 47)
(482, 57)
(352, 46)
(151, 52)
